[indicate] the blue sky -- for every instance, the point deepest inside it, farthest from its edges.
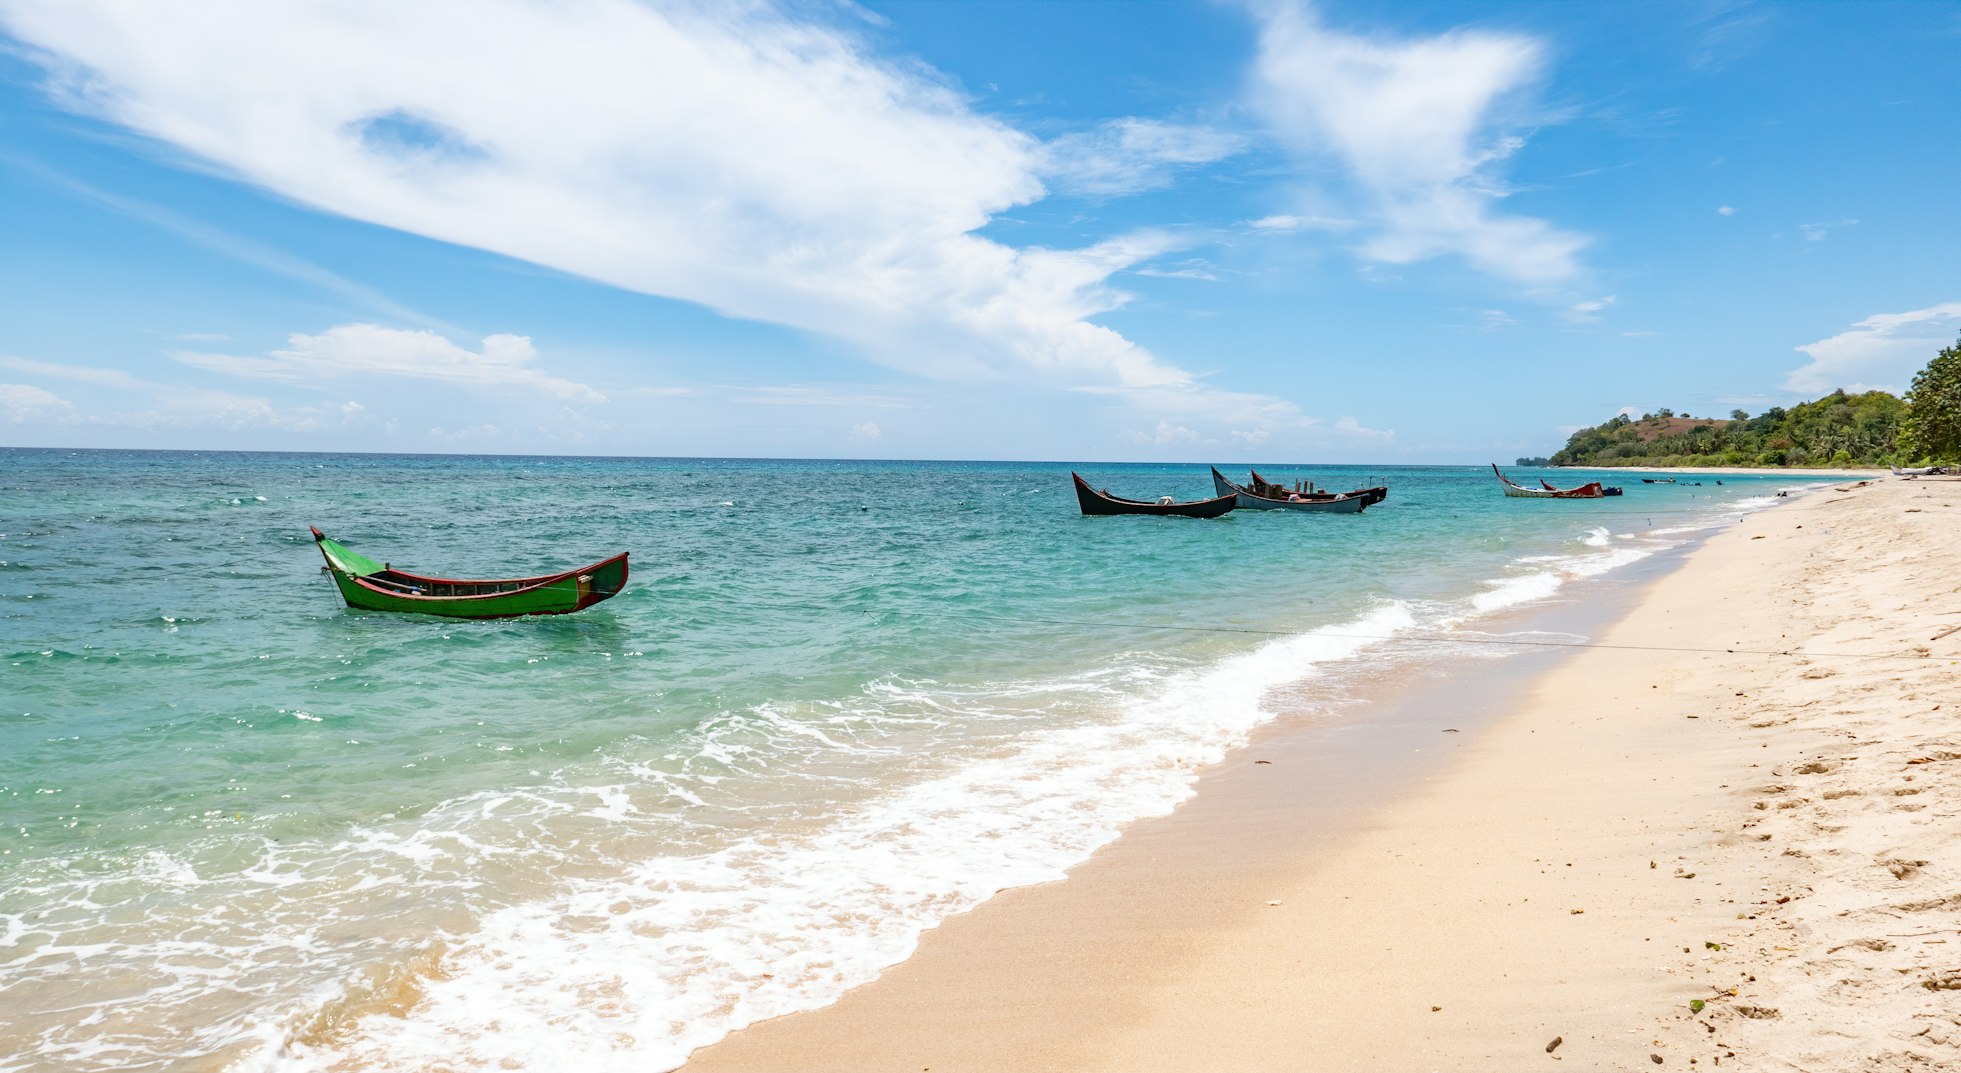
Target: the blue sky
(1263, 230)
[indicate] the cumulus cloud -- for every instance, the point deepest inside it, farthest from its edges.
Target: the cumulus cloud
(867, 431)
(1411, 123)
(723, 154)
(1726, 210)
(1883, 349)
(1168, 433)
(355, 350)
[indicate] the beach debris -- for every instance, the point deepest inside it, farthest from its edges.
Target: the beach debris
(1655, 1058)
(1275, 901)
(1554, 1045)
(1575, 912)
(1707, 945)
(1453, 730)
(1696, 1005)
(1263, 761)
(1946, 982)
(1436, 1009)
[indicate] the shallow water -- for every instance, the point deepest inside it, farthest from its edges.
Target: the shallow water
(244, 827)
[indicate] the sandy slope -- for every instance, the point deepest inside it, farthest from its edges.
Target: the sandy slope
(1682, 815)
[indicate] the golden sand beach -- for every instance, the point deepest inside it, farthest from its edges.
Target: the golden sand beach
(1727, 835)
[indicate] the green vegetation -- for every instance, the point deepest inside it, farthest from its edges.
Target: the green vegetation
(1837, 430)
(1932, 429)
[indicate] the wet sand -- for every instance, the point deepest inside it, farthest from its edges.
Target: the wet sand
(1570, 844)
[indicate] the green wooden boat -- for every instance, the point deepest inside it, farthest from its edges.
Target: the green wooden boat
(373, 586)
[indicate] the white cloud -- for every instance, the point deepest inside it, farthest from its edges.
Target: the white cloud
(1587, 312)
(1726, 210)
(725, 155)
(1350, 427)
(1252, 437)
(1168, 433)
(1287, 222)
(1817, 232)
(1885, 348)
(1411, 122)
(1127, 156)
(867, 431)
(22, 404)
(356, 350)
(172, 406)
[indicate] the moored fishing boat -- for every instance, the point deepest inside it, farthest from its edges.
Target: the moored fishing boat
(1260, 486)
(1340, 504)
(1096, 502)
(373, 586)
(1590, 490)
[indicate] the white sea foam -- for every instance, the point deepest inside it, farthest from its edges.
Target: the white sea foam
(633, 972)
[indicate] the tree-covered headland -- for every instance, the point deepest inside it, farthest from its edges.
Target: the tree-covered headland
(1874, 428)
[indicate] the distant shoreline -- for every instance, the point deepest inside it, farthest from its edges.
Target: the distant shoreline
(1748, 471)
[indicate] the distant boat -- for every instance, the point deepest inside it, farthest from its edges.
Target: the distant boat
(373, 586)
(1094, 502)
(1341, 504)
(1651, 480)
(1260, 486)
(1590, 490)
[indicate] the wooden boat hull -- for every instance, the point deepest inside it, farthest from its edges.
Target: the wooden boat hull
(371, 586)
(1370, 496)
(1095, 503)
(1341, 504)
(1590, 490)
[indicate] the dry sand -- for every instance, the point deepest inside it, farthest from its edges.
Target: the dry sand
(1681, 815)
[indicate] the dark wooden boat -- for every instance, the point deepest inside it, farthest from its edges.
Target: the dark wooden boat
(1095, 502)
(373, 586)
(1341, 504)
(1260, 486)
(1590, 490)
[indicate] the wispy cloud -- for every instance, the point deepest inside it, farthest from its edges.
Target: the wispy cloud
(1588, 311)
(1726, 210)
(1881, 350)
(1817, 232)
(1412, 123)
(174, 406)
(351, 351)
(239, 248)
(1289, 222)
(1128, 156)
(25, 404)
(729, 155)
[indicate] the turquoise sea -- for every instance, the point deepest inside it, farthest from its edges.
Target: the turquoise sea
(243, 827)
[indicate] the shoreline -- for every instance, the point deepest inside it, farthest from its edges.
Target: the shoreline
(1525, 882)
(1745, 471)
